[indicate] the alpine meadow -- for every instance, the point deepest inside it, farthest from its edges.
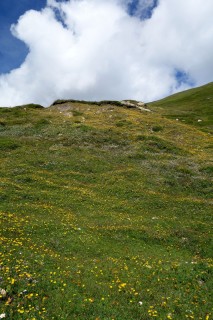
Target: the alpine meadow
(106, 209)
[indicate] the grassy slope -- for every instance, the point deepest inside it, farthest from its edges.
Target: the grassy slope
(105, 214)
(193, 105)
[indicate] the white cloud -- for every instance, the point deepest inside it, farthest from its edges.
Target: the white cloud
(92, 49)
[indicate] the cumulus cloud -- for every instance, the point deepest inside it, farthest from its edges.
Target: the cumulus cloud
(96, 49)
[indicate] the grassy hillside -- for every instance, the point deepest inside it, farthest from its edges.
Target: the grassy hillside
(105, 213)
(194, 106)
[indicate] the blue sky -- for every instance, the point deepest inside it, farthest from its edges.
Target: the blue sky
(103, 49)
(133, 8)
(12, 50)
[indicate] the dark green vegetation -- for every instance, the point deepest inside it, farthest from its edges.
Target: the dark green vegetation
(105, 211)
(99, 103)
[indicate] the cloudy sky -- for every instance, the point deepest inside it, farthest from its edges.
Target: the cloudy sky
(103, 49)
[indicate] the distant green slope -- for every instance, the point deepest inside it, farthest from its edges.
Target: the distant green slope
(189, 106)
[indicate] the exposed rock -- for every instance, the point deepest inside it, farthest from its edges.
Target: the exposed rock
(68, 105)
(135, 104)
(128, 104)
(144, 109)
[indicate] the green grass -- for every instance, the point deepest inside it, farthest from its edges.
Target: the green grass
(7, 144)
(105, 213)
(193, 105)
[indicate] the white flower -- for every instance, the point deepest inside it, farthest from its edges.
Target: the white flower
(140, 303)
(3, 293)
(3, 315)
